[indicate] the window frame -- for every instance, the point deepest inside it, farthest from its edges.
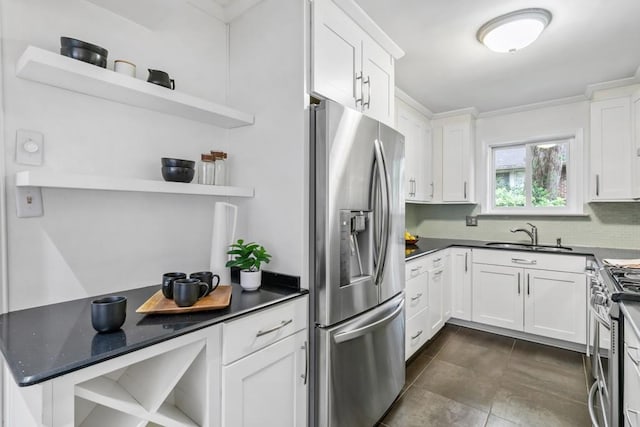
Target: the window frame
(575, 176)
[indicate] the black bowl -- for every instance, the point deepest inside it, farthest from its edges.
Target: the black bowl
(166, 161)
(69, 42)
(177, 174)
(84, 55)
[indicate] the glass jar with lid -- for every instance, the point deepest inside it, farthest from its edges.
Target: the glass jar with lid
(220, 162)
(206, 169)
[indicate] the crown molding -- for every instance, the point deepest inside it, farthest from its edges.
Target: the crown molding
(472, 111)
(404, 97)
(533, 106)
(613, 84)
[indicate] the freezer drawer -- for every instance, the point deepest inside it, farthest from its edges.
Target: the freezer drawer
(360, 366)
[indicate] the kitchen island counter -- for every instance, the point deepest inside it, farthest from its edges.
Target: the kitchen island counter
(45, 342)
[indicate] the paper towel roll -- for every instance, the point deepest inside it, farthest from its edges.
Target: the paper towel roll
(225, 216)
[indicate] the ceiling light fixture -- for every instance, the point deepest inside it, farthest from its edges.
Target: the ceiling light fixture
(515, 30)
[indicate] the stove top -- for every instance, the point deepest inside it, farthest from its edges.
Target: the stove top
(627, 283)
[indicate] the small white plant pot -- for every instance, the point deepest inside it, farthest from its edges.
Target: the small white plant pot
(250, 280)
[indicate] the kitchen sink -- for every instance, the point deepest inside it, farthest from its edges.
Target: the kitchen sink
(505, 245)
(510, 245)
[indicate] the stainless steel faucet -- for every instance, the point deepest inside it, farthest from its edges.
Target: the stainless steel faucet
(533, 234)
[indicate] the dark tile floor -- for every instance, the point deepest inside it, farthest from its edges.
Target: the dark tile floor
(471, 378)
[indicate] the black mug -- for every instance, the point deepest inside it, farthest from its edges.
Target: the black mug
(108, 314)
(167, 283)
(187, 291)
(208, 278)
(161, 78)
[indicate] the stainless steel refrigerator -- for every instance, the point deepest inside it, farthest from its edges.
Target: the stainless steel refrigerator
(357, 266)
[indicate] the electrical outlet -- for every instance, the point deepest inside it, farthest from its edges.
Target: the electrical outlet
(29, 147)
(472, 221)
(29, 202)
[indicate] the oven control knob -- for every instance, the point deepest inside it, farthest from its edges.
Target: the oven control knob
(599, 299)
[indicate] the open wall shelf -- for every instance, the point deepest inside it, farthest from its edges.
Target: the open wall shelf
(95, 182)
(60, 71)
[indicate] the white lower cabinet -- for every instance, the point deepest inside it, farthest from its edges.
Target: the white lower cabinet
(436, 300)
(268, 387)
(533, 299)
(460, 282)
(255, 375)
(428, 299)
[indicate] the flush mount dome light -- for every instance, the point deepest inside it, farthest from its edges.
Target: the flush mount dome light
(515, 30)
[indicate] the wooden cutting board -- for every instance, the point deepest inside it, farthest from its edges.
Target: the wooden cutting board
(220, 298)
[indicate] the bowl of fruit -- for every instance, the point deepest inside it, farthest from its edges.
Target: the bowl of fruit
(410, 239)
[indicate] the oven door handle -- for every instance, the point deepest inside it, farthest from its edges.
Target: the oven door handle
(600, 318)
(591, 404)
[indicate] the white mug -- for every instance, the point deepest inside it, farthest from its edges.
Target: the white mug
(124, 67)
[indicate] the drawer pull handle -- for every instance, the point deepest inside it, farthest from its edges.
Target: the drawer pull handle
(524, 261)
(413, 270)
(437, 260)
(634, 354)
(274, 328)
(416, 297)
(417, 335)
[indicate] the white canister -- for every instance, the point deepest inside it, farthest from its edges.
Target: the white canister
(124, 67)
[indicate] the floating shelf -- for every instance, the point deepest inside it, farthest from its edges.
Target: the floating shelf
(60, 71)
(110, 183)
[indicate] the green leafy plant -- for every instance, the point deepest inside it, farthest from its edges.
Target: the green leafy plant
(247, 256)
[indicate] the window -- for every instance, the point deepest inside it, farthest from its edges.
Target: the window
(536, 177)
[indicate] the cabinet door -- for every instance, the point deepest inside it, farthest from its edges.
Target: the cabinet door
(447, 291)
(461, 283)
(336, 54)
(555, 305)
(457, 153)
(436, 301)
(497, 296)
(378, 84)
(249, 385)
(611, 149)
(636, 149)
(418, 149)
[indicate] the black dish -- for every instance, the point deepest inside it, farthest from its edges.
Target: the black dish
(177, 174)
(84, 55)
(166, 161)
(108, 314)
(69, 42)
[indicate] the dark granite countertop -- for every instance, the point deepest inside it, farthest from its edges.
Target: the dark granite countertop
(631, 310)
(45, 342)
(426, 246)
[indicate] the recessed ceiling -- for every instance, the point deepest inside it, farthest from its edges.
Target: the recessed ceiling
(445, 67)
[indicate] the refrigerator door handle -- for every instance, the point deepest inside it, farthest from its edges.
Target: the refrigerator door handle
(364, 330)
(383, 178)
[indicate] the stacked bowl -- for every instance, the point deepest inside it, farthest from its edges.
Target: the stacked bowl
(83, 51)
(178, 170)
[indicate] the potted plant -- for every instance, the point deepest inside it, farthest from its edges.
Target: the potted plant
(248, 257)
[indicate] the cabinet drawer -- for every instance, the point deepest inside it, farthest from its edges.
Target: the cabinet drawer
(416, 295)
(257, 330)
(416, 332)
(530, 259)
(415, 268)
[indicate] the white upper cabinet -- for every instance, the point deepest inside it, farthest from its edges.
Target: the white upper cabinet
(349, 64)
(635, 108)
(457, 161)
(418, 151)
(612, 153)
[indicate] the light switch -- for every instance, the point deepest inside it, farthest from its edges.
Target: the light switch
(29, 147)
(28, 202)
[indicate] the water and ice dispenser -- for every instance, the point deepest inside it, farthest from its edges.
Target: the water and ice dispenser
(356, 246)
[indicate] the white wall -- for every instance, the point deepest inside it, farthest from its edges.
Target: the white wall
(267, 69)
(91, 242)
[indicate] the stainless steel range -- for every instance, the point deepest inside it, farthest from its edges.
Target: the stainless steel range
(609, 286)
